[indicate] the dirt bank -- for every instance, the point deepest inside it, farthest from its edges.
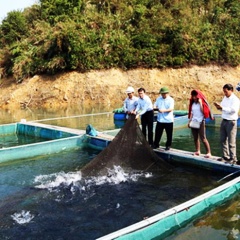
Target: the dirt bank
(108, 87)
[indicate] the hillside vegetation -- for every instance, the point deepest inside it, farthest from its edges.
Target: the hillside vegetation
(63, 35)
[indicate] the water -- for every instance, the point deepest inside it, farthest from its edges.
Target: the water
(183, 140)
(18, 140)
(103, 122)
(220, 224)
(46, 198)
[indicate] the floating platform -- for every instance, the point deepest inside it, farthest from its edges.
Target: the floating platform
(163, 224)
(61, 138)
(173, 155)
(57, 139)
(159, 226)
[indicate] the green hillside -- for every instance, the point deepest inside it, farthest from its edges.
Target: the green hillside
(63, 35)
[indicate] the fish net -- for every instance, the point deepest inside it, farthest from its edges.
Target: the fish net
(129, 150)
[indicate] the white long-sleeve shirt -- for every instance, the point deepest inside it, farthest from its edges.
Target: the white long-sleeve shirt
(230, 107)
(130, 104)
(144, 105)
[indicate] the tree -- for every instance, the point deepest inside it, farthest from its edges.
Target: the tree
(55, 10)
(13, 28)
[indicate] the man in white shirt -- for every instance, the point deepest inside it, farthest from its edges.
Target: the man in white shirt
(165, 105)
(145, 110)
(228, 130)
(130, 103)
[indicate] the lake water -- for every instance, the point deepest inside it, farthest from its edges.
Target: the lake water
(46, 198)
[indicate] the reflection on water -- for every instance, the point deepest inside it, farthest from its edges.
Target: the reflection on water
(73, 117)
(18, 140)
(68, 114)
(220, 224)
(101, 122)
(11, 116)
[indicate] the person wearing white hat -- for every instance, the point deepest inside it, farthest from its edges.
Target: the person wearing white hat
(130, 103)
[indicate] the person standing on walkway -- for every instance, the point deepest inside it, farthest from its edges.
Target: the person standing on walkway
(228, 130)
(164, 105)
(145, 111)
(199, 110)
(130, 103)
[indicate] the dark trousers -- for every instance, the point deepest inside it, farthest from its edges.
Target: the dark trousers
(159, 131)
(147, 123)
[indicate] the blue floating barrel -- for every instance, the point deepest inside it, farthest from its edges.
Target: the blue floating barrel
(119, 123)
(119, 116)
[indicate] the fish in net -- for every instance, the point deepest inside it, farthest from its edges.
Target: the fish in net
(129, 150)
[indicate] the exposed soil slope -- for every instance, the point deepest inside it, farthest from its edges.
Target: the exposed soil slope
(108, 86)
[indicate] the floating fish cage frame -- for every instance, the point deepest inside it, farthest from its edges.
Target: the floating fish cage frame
(158, 226)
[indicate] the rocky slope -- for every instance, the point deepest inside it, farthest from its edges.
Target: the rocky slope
(108, 87)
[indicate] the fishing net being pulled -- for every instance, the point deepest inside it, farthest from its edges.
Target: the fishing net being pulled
(129, 150)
